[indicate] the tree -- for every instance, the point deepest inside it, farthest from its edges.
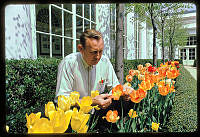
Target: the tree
(147, 12)
(176, 34)
(155, 14)
(167, 10)
(119, 65)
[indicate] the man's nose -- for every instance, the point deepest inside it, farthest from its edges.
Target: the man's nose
(98, 55)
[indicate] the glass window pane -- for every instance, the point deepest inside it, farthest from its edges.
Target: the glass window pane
(79, 27)
(86, 24)
(43, 44)
(68, 47)
(93, 26)
(93, 12)
(56, 46)
(68, 24)
(42, 17)
(191, 53)
(79, 9)
(56, 21)
(77, 42)
(68, 6)
(87, 11)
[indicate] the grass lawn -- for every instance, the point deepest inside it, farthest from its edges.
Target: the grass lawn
(183, 116)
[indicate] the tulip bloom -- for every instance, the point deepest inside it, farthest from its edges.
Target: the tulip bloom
(94, 93)
(31, 119)
(148, 64)
(132, 113)
(60, 120)
(146, 85)
(85, 104)
(117, 92)
(172, 74)
(74, 96)
(155, 126)
(79, 121)
(137, 95)
(151, 69)
(42, 125)
(131, 72)
(112, 116)
(129, 78)
(49, 107)
(140, 67)
(64, 102)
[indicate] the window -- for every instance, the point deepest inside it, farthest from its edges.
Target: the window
(191, 53)
(183, 54)
(56, 33)
(191, 40)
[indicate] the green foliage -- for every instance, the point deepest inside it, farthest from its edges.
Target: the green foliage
(184, 111)
(29, 85)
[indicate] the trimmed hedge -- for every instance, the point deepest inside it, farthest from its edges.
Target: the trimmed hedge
(184, 112)
(30, 84)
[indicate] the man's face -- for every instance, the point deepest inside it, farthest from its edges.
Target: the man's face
(93, 50)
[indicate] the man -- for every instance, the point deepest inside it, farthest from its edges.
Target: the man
(87, 70)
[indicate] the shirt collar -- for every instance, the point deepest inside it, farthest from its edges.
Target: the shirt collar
(85, 63)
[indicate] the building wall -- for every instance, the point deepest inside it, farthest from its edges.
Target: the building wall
(103, 25)
(130, 37)
(19, 32)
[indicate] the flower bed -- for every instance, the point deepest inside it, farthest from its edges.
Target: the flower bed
(150, 89)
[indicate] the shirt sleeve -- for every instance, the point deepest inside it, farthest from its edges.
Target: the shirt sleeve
(64, 79)
(112, 78)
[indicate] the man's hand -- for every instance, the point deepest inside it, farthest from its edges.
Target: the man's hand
(102, 100)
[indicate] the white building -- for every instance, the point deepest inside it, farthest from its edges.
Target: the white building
(53, 31)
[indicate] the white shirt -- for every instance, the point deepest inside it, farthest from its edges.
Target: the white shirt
(74, 74)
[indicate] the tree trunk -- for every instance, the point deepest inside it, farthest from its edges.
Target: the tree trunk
(154, 35)
(119, 65)
(163, 48)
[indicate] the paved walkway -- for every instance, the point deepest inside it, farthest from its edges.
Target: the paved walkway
(192, 70)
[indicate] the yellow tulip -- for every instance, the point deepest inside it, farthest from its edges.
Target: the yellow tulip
(7, 128)
(60, 120)
(94, 93)
(49, 107)
(85, 105)
(79, 120)
(42, 125)
(32, 118)
(83, 129)
(74, 97)
(64, 102)
(155, 126)
(132, 114)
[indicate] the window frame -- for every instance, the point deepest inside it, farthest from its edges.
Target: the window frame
(62, 36)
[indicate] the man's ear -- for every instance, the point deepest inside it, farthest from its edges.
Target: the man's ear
(80, 47)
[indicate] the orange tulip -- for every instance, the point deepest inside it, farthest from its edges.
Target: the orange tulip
(163, 90)
(111, 116)
(172, 74)
(131, 72)
(137, 95)
(140, 67)
(117, 92)
(129, 78)
(146, 85)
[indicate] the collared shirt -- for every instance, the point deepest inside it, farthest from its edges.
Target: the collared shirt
(74, 74)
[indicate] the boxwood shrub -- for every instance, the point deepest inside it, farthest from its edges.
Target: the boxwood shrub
(29, 85)
(184, 112)
(32, 83)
